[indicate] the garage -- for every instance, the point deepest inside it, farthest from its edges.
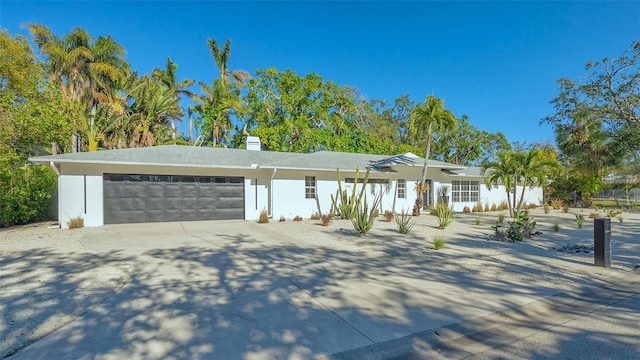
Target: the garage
(132, 198)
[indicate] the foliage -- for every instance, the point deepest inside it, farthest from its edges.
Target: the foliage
(494, 207)
(518, 168)
(445, 215)
(503, 205)
(443, 193)
(346, 205)
(522, 226)
(305, 113)
(364, 217)
(465, 144)
(477, 221)
(557, 204)
(546, 208)
(425, 120)
(315, 216)
(611, 213)
(438, 242)
(297, 218)
(76, 222)
(466, 209)
(597, 121)
(579, 220)
(620, 219)
(25, 193)
(501, 218)
(264, 217)
(405, 222)
(486, 207)
(594, 215)
(555, 226)
(388, 216)
(282, 219)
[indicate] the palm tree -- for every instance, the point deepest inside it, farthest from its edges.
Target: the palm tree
(221, 58)
(532, 169)
(425, 120)
(504, 171)
(168, 77)
(86, 71)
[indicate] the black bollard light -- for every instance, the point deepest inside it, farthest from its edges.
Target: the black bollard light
(602, 242)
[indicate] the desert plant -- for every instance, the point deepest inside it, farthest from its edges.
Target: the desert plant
(611, 213)
(433, 211)
(438, 242)
(594, 215)
(388, 216)
(486, 207)
(264, 217)
(376, 213)
(443, 194)
(75, 223)
(479, 206)
(326, 219)
(315, 216)
(477, 221)
(555, 226)
(522, 226)
(503, 205)
(494, 207)
(364, 218)
(405, 222)
(557, 204)
(579, 220)
(474, 208)
(445, 215)
(501, 218)
(297, 218)
(466, 209)
(282, 219)
(533, 206)
(546, 208)
(565, 209)
(345, 204)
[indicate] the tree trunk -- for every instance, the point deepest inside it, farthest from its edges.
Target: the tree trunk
(419, 201)
(509, 201)
(524, 186)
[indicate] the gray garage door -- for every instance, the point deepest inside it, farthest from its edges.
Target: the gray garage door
(154, 198)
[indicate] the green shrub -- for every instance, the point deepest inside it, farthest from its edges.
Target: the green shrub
(264, 217)
(405, 222)
(26, 194)
(445, 215)
(438, 242)
(557, 204)
(579, 220)
(477, 221)
(500, 218)
(364, 218)
(555, 226)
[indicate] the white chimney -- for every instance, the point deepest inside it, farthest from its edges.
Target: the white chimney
(252, 143)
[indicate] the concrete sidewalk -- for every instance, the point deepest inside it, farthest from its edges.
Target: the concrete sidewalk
(232, 290)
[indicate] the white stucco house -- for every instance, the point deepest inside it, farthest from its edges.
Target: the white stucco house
(186, 183)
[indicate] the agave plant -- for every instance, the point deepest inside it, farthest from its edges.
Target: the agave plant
(364, 217)
(347, 205)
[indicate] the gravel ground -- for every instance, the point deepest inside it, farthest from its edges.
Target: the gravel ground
(48, 278)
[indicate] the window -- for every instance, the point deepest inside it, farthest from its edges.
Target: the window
(370, 181)
(402, 189)
(465, 191)
(309, 187)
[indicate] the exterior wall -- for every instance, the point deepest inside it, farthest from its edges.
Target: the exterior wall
(279, 192)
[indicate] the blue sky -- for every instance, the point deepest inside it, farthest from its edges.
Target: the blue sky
(496, 62)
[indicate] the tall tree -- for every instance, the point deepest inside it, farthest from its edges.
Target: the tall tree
(504, 170)
(169, 78)
(426, 119)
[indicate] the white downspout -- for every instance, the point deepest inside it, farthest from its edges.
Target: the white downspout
(55, 169)
(273, 174)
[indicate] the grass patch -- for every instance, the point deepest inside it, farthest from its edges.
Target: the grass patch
(438, 242)
(555, 226)
(264, 217)
(76, 223)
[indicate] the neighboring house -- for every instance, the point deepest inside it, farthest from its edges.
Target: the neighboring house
(186, 183)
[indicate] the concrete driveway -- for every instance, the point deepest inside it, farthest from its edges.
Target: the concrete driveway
(234, 290)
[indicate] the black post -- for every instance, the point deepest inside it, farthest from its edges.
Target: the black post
(602, 242)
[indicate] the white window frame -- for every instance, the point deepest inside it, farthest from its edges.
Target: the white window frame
(402, 188)
(465, 191)
(310, 187)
